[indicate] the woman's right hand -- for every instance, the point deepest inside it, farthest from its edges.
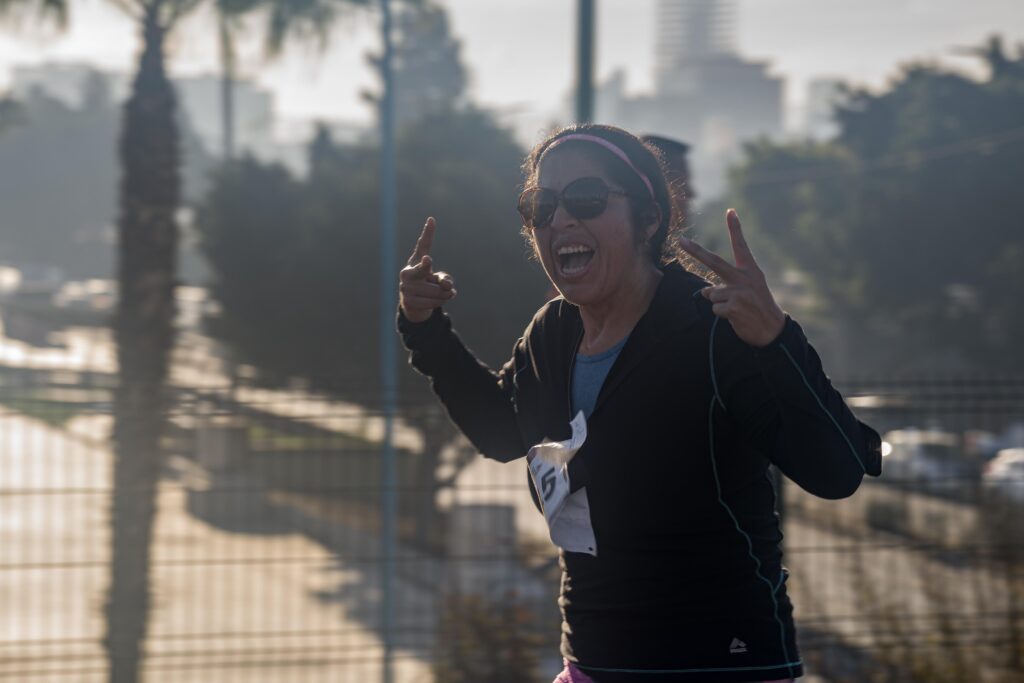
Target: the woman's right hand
(420, 289)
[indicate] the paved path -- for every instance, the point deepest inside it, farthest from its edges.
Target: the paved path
(269, 605)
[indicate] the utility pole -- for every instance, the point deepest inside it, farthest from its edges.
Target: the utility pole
(585, 62)
(227, 85)
(388, 343)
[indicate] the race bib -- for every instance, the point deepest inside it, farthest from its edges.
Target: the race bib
(567, 514)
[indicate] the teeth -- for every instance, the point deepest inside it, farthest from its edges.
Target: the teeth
(573, 271)
(573, 249)
(565, 264)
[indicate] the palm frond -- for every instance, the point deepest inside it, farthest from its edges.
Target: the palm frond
(47, 10)
(305, 20)
(176, 9)
(132, 8)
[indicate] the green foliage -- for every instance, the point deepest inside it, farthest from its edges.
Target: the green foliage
(59, 180)
(17, 11)
(307, 21)
(486, 640)
(785, 188)
(54, 413)
(909, 224)
(428, 73)
(297, 266)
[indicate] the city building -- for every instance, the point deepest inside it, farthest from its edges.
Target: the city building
(823, 96)
(258, 131)
(705, 93)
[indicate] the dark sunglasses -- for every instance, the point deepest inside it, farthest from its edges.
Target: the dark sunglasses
(583, 198)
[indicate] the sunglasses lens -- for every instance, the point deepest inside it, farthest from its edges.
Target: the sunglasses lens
(537, 206)
(586, 198)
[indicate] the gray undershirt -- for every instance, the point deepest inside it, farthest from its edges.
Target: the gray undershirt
(588, 374)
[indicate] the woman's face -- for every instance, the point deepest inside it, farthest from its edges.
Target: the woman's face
(587, 260)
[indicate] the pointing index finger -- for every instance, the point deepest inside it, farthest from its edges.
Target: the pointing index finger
(424, 243)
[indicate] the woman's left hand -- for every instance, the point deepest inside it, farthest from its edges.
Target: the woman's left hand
(744, 298)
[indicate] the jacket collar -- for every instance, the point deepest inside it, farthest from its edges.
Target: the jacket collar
(673, 308)
(674, 305)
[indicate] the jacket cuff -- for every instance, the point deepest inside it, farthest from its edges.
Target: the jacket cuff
(873, 450)
(416, 335)
(790, 331)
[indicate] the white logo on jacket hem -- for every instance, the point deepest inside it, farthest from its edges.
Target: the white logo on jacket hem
(567, 514)
(737, 646)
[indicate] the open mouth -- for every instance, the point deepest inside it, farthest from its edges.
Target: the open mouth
(573, 259)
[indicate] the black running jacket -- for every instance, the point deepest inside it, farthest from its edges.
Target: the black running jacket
(687, 583)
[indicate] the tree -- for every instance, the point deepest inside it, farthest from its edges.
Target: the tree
(482, 639)
(59, 180)
(144, 332)
(286, 307)
(429, 76)
(296, 266)
(909, 223)
(144, 323)
(303, 20)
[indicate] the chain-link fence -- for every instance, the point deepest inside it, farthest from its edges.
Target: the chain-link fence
(267, 556)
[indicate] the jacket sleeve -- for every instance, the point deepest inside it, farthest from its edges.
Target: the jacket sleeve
(781, 399)
(479, 400)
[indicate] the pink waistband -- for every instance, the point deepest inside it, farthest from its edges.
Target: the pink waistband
(572, 674)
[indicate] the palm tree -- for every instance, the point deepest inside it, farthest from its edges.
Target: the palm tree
(144, 331)
(144, 322)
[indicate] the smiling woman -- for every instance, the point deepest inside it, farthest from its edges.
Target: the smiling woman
(648, 406)
(598, 224)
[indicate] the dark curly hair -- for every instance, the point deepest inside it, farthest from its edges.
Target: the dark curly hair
(644, 210)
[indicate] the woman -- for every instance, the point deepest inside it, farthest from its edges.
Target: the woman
(658, 495)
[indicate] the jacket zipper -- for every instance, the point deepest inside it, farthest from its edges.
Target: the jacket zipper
(572, 365)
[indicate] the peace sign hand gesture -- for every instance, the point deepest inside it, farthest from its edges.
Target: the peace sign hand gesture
(744, 299)
(420, 289)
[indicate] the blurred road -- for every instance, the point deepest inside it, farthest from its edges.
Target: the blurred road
(269, 604)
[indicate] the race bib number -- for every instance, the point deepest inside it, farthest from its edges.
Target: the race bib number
(567, 513)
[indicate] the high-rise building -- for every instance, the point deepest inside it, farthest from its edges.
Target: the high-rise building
(688, 33)
(704, 92)
(823, 96)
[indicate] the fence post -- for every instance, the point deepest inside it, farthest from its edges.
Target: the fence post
(388, 347)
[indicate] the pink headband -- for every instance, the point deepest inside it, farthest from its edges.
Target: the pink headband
(611, 147)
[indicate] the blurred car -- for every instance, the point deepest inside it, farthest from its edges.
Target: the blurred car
(1004, 475)
(931, 459)
(1012, 436)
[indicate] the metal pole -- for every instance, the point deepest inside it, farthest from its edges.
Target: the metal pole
(585, 63)
(388, 343)
(227, 84)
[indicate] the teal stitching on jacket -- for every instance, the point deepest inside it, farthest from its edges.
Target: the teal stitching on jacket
(787, 665)
(711, 361)
(775, 497)
(750, 545)
(822, 406)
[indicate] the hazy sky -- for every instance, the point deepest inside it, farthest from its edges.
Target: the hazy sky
(521, 52)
